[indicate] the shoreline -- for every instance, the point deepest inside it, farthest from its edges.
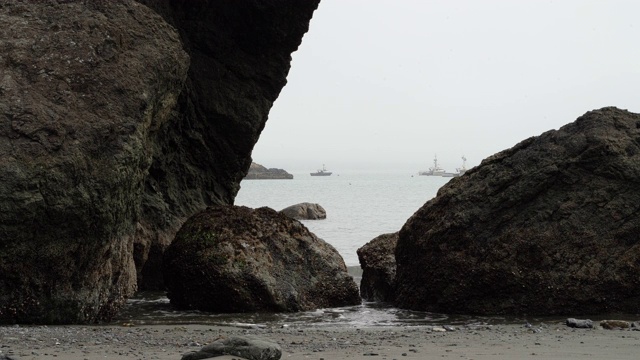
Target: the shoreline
(553, 340)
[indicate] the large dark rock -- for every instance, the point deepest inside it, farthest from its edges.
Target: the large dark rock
(259, 172)
(114, 128)
(305, 211)
(378, 262)
(84, 86)
(236, 259)
(549, 226)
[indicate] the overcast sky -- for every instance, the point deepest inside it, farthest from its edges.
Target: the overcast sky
(384, 85)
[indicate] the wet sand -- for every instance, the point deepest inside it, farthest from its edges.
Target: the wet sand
(541, 341)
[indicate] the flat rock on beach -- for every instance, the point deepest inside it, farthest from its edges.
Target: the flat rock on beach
(552, 340)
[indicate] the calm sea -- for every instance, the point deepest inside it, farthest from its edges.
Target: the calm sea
(359, 206)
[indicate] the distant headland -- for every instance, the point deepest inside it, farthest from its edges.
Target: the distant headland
(259, 172)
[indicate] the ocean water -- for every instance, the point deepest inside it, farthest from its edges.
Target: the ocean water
(359, 206)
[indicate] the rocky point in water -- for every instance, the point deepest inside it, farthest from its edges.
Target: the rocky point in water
(549, 226)
(118, 121)
(259, 172)
(305, 211)
(237, 259)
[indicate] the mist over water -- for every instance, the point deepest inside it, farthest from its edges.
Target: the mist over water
(359, 206)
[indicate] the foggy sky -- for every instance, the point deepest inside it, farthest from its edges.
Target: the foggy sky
(384, 85)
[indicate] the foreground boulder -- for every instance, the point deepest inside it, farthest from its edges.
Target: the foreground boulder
(117, 124)
(579, 323)
(378, 262)
(236, 259)
(549, 226)
(246, 347)
(615, 324)
(305, 211)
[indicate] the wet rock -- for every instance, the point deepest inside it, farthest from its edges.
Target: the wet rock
(259, 172)
(116, 125)
(83, 86)
(615, 324)
(579, 323)
(236, 259)
(378, 262)
(305, 211)
(547, 227)
(246, 347)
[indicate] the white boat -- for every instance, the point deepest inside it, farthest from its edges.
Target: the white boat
(463, 169)
(435, 170)
(321, 172)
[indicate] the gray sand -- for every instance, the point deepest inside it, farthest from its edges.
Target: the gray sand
(542, 341)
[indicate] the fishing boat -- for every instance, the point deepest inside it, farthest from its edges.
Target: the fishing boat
(321, 172)
(435, 170)
(463, 169)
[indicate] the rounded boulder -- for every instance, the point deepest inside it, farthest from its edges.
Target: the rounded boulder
(237, 259)
(305, 211)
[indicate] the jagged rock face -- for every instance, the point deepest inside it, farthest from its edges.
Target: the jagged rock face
(305, 211)
(83, 86)
(240, 56)
(114, 128)
(549, 226)
(236, 259)
(378, 262)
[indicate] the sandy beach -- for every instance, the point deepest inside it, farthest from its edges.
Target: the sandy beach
(539, 341)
